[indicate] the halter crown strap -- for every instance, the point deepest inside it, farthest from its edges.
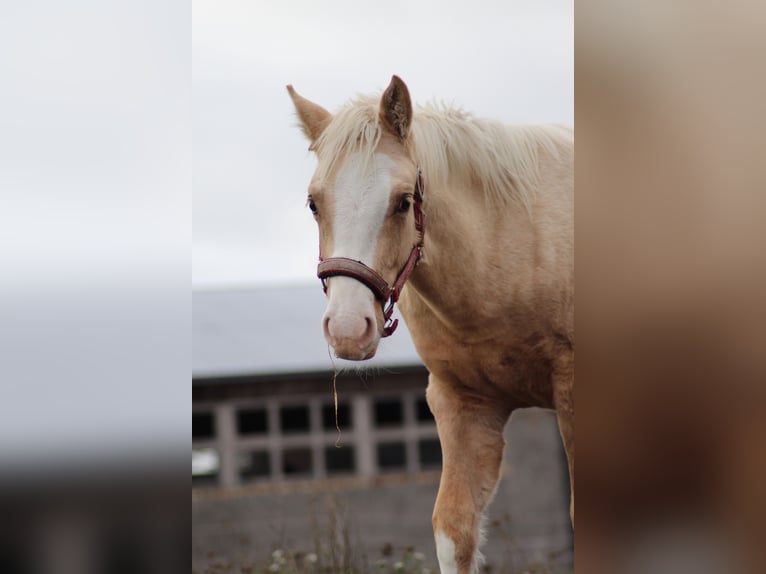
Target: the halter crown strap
(387, 295)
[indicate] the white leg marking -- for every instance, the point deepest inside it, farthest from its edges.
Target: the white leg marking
(445, 552)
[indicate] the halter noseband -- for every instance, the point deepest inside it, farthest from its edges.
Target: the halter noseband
(388, 296)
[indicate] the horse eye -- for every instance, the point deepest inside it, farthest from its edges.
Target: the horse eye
(312, 205)
(404, 204)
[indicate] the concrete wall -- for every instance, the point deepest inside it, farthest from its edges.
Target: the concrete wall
(528, 520)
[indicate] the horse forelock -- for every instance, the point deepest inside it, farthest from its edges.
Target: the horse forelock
(355, 128)
(448, 144)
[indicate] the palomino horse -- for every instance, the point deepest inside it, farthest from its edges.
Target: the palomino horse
(476, 218)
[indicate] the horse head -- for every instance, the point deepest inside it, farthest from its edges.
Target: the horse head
(365, 196)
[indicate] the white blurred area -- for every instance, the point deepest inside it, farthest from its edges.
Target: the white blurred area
(95, 179)
(205, 461)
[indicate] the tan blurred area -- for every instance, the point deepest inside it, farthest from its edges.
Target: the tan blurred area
(671, 278)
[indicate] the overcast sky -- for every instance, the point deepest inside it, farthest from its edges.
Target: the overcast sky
(507, 60)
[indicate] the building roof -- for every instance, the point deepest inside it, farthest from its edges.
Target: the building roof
(274, 330)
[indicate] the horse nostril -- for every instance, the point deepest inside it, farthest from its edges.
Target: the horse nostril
(369, 329)
(326, 327)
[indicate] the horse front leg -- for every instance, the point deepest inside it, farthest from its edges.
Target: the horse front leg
(471, 436)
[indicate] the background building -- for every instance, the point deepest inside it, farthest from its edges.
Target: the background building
(269, 465)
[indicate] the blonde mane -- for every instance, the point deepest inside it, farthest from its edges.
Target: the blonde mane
(450, 143)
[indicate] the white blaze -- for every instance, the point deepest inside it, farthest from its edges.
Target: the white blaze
(361, 202)
(362, 191)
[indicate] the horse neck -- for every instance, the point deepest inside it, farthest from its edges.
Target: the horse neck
(466, 263)
(485, 261)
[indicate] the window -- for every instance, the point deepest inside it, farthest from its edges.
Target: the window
(203, 426)
(344, 416)
(423, 412)
(297, 462)
(294, 419)
(429, 453)
(254, 464)
(252, 421)
(388, 412)
(392, 456)
(339, 460)
(292, 437)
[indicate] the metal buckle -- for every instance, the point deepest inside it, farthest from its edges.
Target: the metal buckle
(388, 311)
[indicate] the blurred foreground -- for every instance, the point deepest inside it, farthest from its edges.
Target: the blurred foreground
(671, 277)
(123, 517)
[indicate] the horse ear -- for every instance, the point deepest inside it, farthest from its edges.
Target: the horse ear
(396, 108)
(313, 117)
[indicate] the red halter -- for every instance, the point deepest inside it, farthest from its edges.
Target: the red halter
(371, 278)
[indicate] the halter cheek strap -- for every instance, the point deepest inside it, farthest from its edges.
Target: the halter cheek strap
(387, 295)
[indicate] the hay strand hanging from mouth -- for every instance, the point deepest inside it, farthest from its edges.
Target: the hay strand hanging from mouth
(335, 395)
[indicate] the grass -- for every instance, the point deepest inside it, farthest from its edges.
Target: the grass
(390, 561)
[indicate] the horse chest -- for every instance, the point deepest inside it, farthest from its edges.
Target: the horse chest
(518, 372)
(525, 376)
